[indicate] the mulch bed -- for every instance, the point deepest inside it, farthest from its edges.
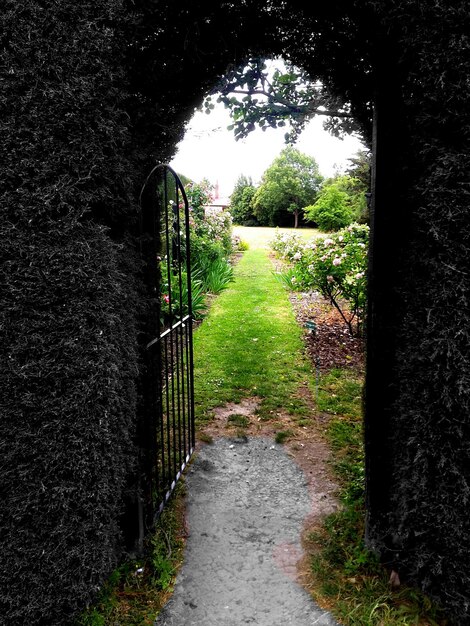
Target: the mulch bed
(330, 345)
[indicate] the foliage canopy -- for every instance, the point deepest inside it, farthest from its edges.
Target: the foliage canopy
(258, 94)
(340, 201)
(241, 202)
(290, 183)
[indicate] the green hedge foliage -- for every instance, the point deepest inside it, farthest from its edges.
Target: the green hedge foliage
(68, 307)
(425, 529)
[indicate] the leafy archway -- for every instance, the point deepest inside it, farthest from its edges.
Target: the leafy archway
(385, 58)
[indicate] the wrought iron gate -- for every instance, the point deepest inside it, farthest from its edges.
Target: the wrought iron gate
(168, 435)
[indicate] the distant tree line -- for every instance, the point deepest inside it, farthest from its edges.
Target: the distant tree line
(292, 192)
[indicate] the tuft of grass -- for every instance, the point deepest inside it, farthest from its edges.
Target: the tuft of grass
(348, 578)
(282, 436)
(241, 435)
(206, 438)
(137, 590)
(241, 421)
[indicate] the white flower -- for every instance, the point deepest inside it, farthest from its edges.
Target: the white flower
(293, 280)
(328, 242)
(361, 245)
(359, 275)
(297, 256)
(330, 279)
(336, 261)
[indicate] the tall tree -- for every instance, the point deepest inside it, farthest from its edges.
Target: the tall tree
(288, 185)
(337, 204)
(241, 206)
(359, 168)
(359, 172)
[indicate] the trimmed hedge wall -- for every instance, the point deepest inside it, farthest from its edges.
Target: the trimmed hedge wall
(68, 307)
(421, 525)
(68, 389)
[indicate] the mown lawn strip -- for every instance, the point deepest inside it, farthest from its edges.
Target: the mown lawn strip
(250, 344)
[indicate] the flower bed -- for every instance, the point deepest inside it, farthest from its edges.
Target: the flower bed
(334, 265)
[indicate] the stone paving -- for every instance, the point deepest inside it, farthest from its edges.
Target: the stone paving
(246, 503)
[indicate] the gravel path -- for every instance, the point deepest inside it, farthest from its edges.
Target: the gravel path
(246, 503)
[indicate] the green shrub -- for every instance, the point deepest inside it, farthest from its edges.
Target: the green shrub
(215, 275)
(287, 244)
(211, 229)
(203, 250)
(241, 207)
(332, 210)
(199, 195)
(180, 299)
(239, 245)
(217, 226)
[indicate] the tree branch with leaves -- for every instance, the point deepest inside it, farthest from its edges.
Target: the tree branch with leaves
(257, 95)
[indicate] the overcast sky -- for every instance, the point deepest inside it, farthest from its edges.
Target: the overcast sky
(210, 151)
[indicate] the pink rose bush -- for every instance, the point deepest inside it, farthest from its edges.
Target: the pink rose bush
(335, 266)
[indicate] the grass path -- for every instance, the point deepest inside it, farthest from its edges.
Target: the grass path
(250, 344)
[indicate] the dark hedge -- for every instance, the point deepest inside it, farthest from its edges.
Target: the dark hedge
(67, 307)
(423, 528)
(68, 408)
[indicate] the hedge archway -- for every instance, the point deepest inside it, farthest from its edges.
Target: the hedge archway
(92, 95)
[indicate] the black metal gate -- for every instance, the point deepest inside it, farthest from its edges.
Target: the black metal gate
(168, 433)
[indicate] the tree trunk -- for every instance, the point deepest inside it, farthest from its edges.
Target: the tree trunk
(296, 218)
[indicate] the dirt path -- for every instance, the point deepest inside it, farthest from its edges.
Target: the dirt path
(247, 504)
(250, 505)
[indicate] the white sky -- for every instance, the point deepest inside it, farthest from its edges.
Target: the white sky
(210, 151)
